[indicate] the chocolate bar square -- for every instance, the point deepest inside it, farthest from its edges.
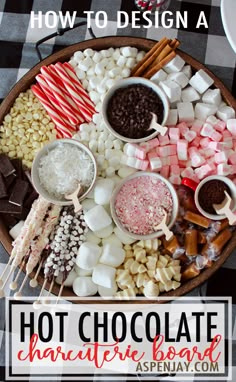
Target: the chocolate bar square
(3, 189)
(6, 167)
(18, 193)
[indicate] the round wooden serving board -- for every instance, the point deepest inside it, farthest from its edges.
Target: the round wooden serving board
(99, 44)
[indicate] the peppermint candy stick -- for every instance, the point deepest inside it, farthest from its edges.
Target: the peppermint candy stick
(73, 77)
(75, 94)
(60, 83)
(62, 127)
(56, 97)
(38, 245)
(29, 230)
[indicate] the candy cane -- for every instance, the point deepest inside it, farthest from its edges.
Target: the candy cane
(63, 128)
(67, 95)
(75, 94)
(53, 87)
(71, 73)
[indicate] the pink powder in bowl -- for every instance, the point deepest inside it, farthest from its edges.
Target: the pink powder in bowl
(141, 202)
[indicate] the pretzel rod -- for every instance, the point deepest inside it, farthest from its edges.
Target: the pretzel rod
(147, 55)
(160, 65)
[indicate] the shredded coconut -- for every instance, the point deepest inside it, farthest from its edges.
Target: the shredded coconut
(62, 168)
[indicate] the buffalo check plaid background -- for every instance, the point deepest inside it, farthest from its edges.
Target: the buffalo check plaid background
(209, 46)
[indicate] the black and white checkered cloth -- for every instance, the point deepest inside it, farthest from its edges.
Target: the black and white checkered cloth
(209, 46)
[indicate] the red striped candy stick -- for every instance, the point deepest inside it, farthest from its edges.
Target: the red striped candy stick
(50, 95)
(60, 83)
(75, 94)
(61, 126)
(71, 73)
(59, 96)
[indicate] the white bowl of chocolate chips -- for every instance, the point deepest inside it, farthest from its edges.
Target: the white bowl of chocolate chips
(129, 108)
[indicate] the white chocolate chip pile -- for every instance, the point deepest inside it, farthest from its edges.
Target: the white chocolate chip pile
(26, 129)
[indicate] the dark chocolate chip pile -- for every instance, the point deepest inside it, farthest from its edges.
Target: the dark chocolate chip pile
(129, 111)
(212, 192)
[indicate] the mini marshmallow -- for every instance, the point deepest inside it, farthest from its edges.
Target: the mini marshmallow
(172, 90)
(190, 95)
(175, 170)
(123, 237)
(185, 111)
(217, 146)
(232, 158)
(204, 110)
(97, 218)
(203, 171)
(195, 157)
(129, 51)
(112, 239)
(16, 230)
(175, 65)
(188, 172)
(172, 118)
(187, 70)
(204, 142)
(221, 157)
(83, 286)
(103, 190)
(134, 162)
(231, 126)
(212, 96)
(130, 62)
(207, 130)
(164, 140)
(170, 160)
(91, 238)
(159, 76)
(225, 113)
(190, 135)
(155, 161)
(150, 144)
(201, 81)
(112, 255)
(175, 179)
(105, 232)
(180, 78)
(104, 275)
(182, 149)
(88, 255)
(168, 150)
(165, 171)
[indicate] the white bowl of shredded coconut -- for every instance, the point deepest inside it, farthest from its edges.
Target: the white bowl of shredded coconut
(59, 167)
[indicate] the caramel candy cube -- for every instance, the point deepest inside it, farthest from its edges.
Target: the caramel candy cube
(197, 219)
(191, 242)
(190, 272)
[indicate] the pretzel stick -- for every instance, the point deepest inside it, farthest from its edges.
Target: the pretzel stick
(159, 65)
(149, 57)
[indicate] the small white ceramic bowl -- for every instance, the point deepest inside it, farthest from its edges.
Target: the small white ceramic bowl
(232, 188)
(35, 175)
(174, 210)
(135, 81)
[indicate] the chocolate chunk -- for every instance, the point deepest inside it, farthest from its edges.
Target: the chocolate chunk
(9, 208)
(6, 167)
(18, 193)
(3, 189)
(17, 164)
(29, 200)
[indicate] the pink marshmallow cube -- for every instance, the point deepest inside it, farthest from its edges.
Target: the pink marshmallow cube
(221, 157)
(165, 171)
(175, 170)
(232, 158)
(204, 142)
(195, 157)
(220, 126)
(203, 171)
(175, 179)
(197, 126)
(224, 169)
(133, 150)
(165, 151)
(174, 134)
(228, 143)
(217, 146)
(207, 130)
(171, 160)
(190, 135)
(231, 126)
(233, 170)
(183, 128)
(196, 142)
(163, 141)
(182, 149)
(216, 136)
(226, 135)
(207, 153)
(150, 144)
(155, 164)
(187, 172)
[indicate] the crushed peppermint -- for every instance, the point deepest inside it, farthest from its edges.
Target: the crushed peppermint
(63, 167)
(141, 202)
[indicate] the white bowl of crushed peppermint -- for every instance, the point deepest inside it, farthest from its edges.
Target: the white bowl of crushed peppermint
(140, 202)
(60, 167)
